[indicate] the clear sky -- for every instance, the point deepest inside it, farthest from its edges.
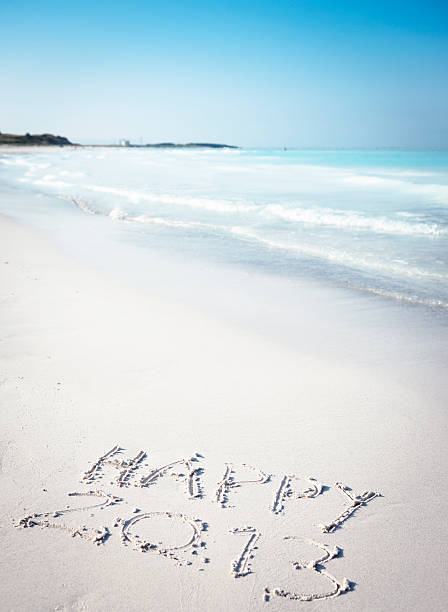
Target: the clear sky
(340, 73)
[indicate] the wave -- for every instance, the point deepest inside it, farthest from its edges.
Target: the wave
(433, 191)
(32, 166)
(340, 257)
(21, 161)
(410, 299)
(213, 204)
(342, 219)
(81, 204)
(177, 224)
(352, 220)
(50, 180)
(332, 255)
(119, 215)
(73, 174)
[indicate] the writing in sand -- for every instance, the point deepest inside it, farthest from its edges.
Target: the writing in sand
(190, 548)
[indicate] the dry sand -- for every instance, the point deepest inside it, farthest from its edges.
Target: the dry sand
(253, 473)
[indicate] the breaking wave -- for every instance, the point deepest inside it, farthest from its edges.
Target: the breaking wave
(212, 204)
(120, 215)
(409, 299)
(377, 220)
(341, 257)
(352, 220)
(333, 255)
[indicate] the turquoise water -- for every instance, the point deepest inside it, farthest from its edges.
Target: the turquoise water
(373, 221)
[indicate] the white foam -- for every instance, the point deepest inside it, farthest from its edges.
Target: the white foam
(212, 204)
(50, 180)
(395, 267)
(177, 223)
(31, 165)
(433, 191)
(386, 223)
(411, 299)
(73, 174)
(82, 204)
(354, 221)
(118, 214)
(341, 257)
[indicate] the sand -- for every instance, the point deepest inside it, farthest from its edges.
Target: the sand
(158, 456)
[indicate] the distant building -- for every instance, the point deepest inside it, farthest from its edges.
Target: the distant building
(124, 143)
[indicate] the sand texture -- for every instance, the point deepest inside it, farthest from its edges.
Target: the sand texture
(158, 457)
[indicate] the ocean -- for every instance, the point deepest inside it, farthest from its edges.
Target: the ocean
(370, 221)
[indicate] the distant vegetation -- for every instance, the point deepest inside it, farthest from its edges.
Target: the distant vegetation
(51, 139)
(33, 139)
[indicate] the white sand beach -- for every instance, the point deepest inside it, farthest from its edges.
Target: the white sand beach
(224, 306)
(261, 422)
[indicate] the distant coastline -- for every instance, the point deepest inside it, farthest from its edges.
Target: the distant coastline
(188, 145)
(61, 141)
(34, 139)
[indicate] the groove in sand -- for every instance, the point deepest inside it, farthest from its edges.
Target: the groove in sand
(316, 566)
(357, 502)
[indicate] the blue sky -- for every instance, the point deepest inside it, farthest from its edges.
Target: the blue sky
(311, 73)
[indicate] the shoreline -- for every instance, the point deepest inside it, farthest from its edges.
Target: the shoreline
(90, 361)
(382, 252)
(345, 323)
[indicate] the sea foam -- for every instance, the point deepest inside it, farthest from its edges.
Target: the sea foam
(376, 221)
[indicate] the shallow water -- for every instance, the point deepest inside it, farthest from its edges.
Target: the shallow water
(374, 221)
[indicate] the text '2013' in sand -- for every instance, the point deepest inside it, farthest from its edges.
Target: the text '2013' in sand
(191, 550)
